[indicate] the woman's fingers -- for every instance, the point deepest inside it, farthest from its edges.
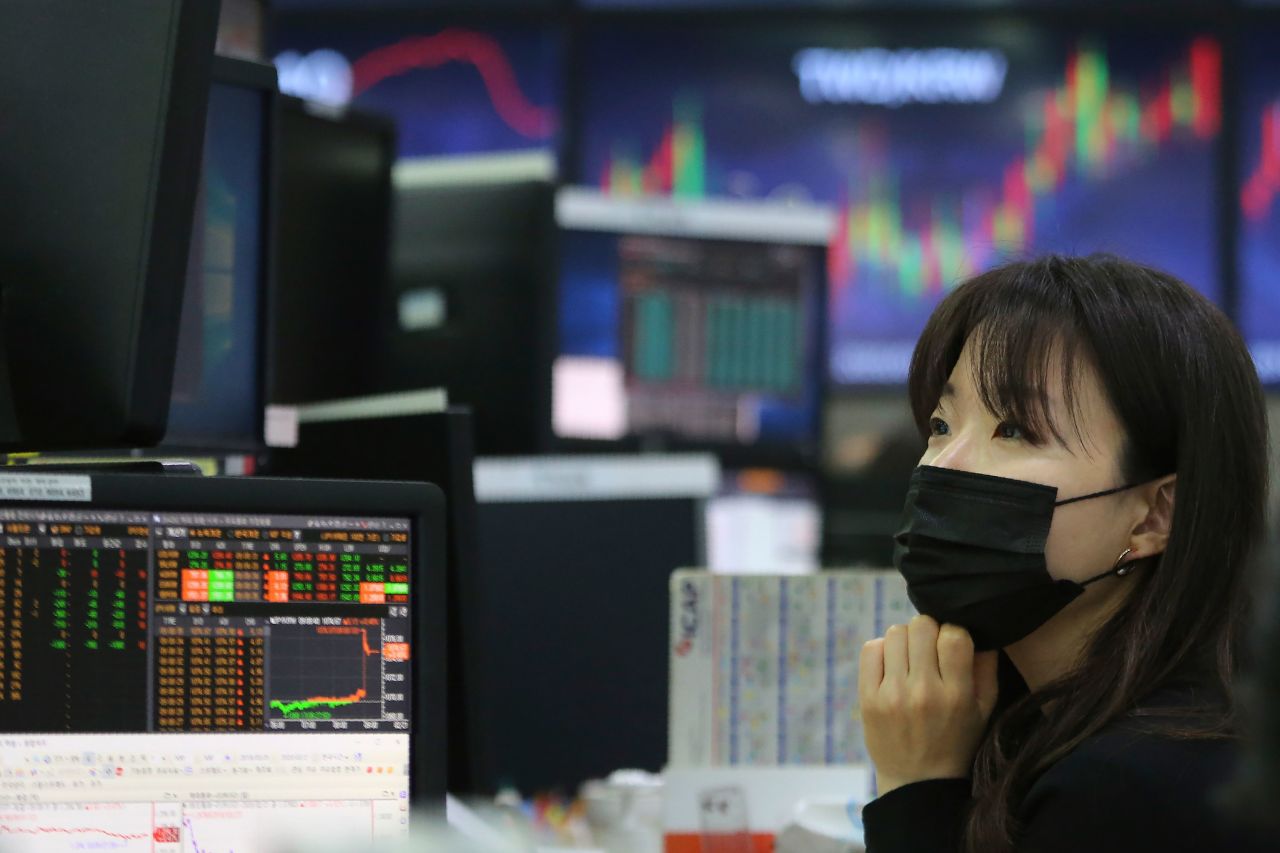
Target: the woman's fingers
(986, 685)
(955, 657)
(870, 671)
(926, 698)
(895, 653)
(922, 647)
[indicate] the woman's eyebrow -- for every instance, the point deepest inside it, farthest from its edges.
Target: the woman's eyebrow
(948, 390)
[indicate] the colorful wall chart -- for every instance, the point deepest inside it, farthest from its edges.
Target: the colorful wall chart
(942, 152)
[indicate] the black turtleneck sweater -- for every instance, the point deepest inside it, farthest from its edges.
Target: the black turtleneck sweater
(1124, 789)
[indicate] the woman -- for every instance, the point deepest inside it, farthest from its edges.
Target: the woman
(1094, 483)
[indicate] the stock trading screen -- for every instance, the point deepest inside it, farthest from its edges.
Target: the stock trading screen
(940, 151)
(700, 339)
(138, 621)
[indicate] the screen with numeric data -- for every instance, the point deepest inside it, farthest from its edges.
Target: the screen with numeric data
(703, 329)
(131, 621)
(199, 680)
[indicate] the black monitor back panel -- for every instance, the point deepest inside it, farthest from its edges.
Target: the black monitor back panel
(485, 254)
(334, 192)
(574, 626)
(99, 167)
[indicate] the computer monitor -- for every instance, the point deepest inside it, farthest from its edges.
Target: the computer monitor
(435, 447)
(943, 147)
(871, 449)
(200, 661)
(765, 521)
(333, 228)
(220, 367)
(694, 324)
(473, 266)
(575, 559)
(99, 195)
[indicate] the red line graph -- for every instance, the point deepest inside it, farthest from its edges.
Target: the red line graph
(458, 45)
(57, 830)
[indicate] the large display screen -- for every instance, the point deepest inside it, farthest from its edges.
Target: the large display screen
(941, 151)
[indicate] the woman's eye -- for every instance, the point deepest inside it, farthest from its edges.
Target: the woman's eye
(1009, 431)
(937, 426)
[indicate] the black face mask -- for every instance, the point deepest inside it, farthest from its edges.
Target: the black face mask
(971, 548)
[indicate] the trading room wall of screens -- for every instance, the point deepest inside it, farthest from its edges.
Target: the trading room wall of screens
(453, 90)
(940, 150)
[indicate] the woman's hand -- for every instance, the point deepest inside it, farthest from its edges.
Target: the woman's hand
(925, 698)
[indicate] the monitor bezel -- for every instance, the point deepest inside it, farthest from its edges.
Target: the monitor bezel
(260, 78)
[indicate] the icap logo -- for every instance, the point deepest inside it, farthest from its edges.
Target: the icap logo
(323, 76)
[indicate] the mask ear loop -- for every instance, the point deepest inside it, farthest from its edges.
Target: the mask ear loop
(1118, 570)
(1089, 497)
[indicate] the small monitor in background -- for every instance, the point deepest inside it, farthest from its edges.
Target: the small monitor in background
(220, 367)
(764, 521)
(333, 220)
(95, 227)
(575, 557)
(872, 447)
(690, 323)
(473, 270)
(204, 659)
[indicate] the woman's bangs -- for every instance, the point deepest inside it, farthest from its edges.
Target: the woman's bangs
(1026, 352)
(1025, 372)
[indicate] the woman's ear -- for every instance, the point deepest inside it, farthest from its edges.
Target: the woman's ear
(1151, 534)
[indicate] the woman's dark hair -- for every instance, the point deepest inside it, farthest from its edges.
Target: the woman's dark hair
(1185, 390)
